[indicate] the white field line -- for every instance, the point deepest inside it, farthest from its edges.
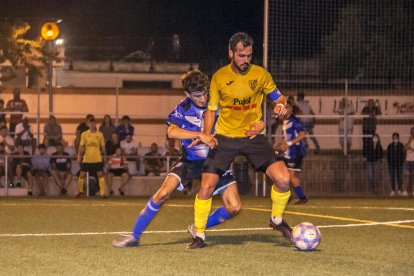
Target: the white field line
(185, 231)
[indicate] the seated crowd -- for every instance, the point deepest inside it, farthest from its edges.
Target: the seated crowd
(33, 163)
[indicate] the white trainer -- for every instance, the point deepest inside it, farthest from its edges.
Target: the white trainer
(125, 241)
(404, 193)
(392, 193)
(191, 230)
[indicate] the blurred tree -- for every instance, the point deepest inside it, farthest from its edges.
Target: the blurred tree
(373, 39)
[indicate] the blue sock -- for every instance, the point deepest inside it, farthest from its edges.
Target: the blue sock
(145, 218)
(299, 192)
(217, 217)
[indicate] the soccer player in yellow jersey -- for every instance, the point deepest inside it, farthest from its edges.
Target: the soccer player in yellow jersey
(238, 90)
(90, 158)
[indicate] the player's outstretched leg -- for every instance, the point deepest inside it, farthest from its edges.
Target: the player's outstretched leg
(280, 196)
(148, 213)
(202, 209)
(230, 209)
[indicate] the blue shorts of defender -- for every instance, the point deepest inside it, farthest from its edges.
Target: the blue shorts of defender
(186, 171)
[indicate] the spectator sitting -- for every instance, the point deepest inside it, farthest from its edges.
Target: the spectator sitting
(40, 164)
(130, 149)
(61, 169)
(118, 166)
(107, 128)
(2, 113)
(172, 152)
(125, 128)
(112, 144)
(7, 140)
(24, 134)
(153, 165)
(52, 132)
(22, 166)
(16, 105)
(3, 153)
(82, 127)
(308, 122)
(395, 158)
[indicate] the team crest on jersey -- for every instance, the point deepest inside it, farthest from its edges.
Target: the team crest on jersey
(253, 84)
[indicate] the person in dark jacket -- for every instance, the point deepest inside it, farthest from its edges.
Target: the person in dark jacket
(395, 158)
(374, 154)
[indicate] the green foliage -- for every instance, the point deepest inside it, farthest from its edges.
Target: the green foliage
(373, 39)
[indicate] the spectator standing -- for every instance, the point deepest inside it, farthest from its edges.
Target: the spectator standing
(307, 122)
(125, 128)
(107, 128)
(409, 148)
(16, 105)
(2, 114)
(118, 166)
(369, 122)
(40, 165)
(22, 166)
(52, 132)
(61, 169)
(112, 144)
(345, 109)
(153, 162)
(374, 154)
(395, 158)
(7, 140)
(24, 135)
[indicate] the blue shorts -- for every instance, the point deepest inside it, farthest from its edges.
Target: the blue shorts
(186, 171)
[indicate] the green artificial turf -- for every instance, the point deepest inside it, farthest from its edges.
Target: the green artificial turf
(368, 250)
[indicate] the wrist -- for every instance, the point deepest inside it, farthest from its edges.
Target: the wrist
(289, 143)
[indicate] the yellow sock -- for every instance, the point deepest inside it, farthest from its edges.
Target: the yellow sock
(202, 209)
(81, 182)
(102, 186)
(279, 202)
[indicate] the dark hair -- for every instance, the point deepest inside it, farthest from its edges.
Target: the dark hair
(194, 80)
(242, 37)
(92, 119)
(41, 146)
(1, 101)
(110, 119)
(125, 117)
(396, 134)
(89, 116)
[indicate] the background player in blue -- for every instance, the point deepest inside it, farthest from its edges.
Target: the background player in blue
(293, 148)
(186, 123)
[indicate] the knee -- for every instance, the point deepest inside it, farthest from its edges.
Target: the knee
(233, 208)
(283, 182)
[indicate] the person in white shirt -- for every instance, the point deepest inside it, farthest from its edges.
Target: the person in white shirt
(130, 149)
(24, 134)
(409, 148)
(7, 140)
(345, 108)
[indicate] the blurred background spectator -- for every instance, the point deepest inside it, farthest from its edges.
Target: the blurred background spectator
(22, 166)
(409, 148)
(60, 163)
(345, 108)
(40, 166)
(308, 122)
(24, 135)
(369, 122)
(373, 155)
(118, 166)
(7, 140)
(16, 105)
(153, 165)
(395, 158)
(107, 128)
(52, 132)
(125, 128)
(2, 114)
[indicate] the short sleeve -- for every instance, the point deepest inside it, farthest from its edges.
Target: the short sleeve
(268, 83)
(176, 117)
(82, 141)
(214, 101)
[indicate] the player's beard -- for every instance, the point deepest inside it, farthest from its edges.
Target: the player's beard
(240, 68)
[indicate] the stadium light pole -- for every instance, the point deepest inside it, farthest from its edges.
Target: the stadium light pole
(50, 32)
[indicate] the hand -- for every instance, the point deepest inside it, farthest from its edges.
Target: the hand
(207, 139)
(280, 109)
(255, 129)
(281, 147)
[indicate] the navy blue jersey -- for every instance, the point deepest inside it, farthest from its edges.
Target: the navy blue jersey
(188, 116)
(291, 128)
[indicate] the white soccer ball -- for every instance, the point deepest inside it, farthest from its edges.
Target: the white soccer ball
(306, 236)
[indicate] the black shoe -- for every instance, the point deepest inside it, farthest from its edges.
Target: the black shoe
(111, 192)
(282, 227)
(63, 192)
(18, 185)
(301, 201)
(121, 192)
(197, 243)
(103, 197)
(29, 193)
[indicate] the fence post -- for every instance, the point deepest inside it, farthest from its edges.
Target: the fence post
(345, 109)
(6, 168)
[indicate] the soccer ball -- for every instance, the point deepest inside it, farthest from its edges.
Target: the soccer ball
(306, 236)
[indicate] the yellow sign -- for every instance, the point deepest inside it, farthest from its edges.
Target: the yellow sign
(49, 31)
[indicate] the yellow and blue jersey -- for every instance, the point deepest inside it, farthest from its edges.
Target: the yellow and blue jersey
(291, 128)
(188, 116)
(239, 97)
(93, 142)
